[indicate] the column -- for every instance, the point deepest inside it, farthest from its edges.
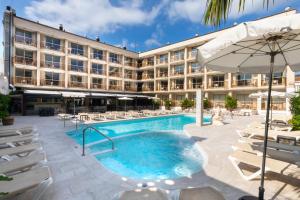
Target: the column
(154, 71)
(169, 71)
(185, 68)
(38, 58)
(199, 108)
(107, 70)
(66, 64)
(205, 80)
(89, 64)
(123, 72)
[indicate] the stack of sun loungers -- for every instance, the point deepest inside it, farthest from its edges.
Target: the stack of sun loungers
(22, 163)
(282, 158)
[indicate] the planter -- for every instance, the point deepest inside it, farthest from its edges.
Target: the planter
(8, 121)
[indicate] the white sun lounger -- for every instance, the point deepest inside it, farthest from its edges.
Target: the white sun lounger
(17, 140)
(19, 150)
(22, 164)
(17, 131)
(272, 165)
(38, 177)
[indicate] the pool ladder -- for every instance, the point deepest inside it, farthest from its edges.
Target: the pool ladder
(83, 138)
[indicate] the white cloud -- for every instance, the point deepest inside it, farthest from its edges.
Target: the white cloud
(152, 42)
(155, 37)
(193, 10)
(127, 44)
(92, 16)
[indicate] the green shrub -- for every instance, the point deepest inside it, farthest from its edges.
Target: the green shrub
(206, 104)
(295, 122)
(168, 104)
(156, 103)
(295, 105)
(187, 103)
(230, 103)
(4, 106)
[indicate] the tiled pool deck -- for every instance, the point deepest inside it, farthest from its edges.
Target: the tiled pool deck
(83, 178)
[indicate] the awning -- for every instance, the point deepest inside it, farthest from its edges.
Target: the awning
(48, 92)
(74, 94)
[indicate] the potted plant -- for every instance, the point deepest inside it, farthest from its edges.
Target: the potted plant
(187, 103)
(4, 107)
(168, 104)
(206, 104)
(230, 103)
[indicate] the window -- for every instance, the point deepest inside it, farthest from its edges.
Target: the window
(179, 55)
(52, 61)
(97, 81)
(163, 58)
(150, 61)
(179, 69)
(195, 67)
(277, 78)
(297, 76)
(77, 49)
(97, 68)
(114, 71)
(24, 57)
(77, 65)
(52, 43)
(242, 77)
(24, 36)
(97, 54)
(218, 81)
(114, 58)
(52, 78)
(23, 73)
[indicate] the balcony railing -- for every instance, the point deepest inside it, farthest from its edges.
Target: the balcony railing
(162, 61)
(97, 57)
(162, 88)
(25, 80)
(177, 73)
(25, 40)
(55, 83)
(216, 84)
(128, 63)
(97, 86)
(53, 65)
(162, 74)
(147, 76)
(178, 57)
(177, 87)
(115, 87)
(148, 88)
(277, 81)
(77, 52)
(196, 86)
(113, 60)
(76, 68)
(52, 46)
(244, 83)
(76, 84)
(146, 64)
(98, 71)
(130, 88)
(130, 76)
(115, 74)
(195, 70)
(25, 60)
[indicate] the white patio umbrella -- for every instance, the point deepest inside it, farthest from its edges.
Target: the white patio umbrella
(125, 99)
(262, 46)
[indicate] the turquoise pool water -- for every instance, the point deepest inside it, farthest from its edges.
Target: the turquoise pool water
(149, 148)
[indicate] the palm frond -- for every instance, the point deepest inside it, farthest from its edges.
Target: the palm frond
(218, 10)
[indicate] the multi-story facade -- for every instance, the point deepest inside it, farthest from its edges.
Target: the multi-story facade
(46, 58)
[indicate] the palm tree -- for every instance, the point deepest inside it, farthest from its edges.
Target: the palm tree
(217, 10)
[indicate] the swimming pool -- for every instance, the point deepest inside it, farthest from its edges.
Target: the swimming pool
(148, 148)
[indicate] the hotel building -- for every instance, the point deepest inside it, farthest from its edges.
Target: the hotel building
(43, 62)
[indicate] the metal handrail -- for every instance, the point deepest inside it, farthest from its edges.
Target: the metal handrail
(83, 138)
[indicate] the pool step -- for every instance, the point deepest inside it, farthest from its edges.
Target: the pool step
(102, 152)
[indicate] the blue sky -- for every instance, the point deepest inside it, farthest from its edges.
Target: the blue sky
(137, 24)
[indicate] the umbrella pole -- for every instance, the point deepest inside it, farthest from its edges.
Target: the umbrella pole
(261, 188)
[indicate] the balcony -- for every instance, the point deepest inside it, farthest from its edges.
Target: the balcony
(192, 54)
(195, 70)
(76, 68)
(162, 88)
(77, 52)
(98, 86)
(178, 73)
(25, 40)
(195, 86)
(147, 76)
(76, 84)
(129, 63)
(115, 87)
(148, 64)
(52, 46)
(130, 76)
(177, 87)
(244, 83)
(25, 80)
(24, 60)
(53, 65)
(130, 88)
(55, 83)
(162, 74)
(147, 88)
(163, 61)
(178, 57)
(114, 60)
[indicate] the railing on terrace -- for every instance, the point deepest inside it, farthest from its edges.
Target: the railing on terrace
(192, 54)
(113, 60)
(146, 64)
(279, 81)
(56, 83)
(25, 40)
(147, 88)
(162, 74)
(97, 57)
(177, 87)
(195, 70)
(115, 87)
(76, 68)
(131, 88)
(53, 65)
(97, 86)
(24, 60)
(162, 88)
(244, 83)
(196, 86)
(25, 80)
(130, 64)
(147, 76)
(162, 61)
(77, 52)
(179, 57)
(98, 71)
(76, 84)
(130, 76)
(177, 73)
(115, 74)
(217, 84)
(52, 46)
